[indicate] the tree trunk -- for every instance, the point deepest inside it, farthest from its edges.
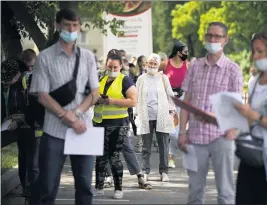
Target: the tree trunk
(68, 4)
(28, 21)
(10, 37)
(191, 46)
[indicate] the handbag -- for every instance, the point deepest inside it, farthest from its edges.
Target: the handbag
(249, 148)
(65, 94)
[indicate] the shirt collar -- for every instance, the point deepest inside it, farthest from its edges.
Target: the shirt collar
(219, 62)
(60, 50)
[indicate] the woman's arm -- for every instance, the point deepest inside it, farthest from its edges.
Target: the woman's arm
(169, 92)
(250, 114)
(129, 101)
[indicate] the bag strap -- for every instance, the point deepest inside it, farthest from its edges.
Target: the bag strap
(250, 99)
(77, 63)
(254, 88)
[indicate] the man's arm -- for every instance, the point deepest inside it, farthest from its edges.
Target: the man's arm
(89, 101)
(49, 103)
(184, 116)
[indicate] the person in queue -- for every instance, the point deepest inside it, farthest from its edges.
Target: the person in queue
(118, 93)
(154, 105)
(206, 76)
(16, 103)
(251, 187)
(54, 68)
(175, 68)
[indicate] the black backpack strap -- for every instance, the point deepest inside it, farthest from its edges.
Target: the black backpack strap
(77, 63)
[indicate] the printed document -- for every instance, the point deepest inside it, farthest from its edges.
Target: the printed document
(227, 116)
(90, 142)
(190, 159)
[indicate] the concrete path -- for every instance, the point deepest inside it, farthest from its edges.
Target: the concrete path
(173, 192)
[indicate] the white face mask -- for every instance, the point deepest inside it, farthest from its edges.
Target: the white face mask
(113, 74)
(152, 71)
(213, 47)
(261, 64)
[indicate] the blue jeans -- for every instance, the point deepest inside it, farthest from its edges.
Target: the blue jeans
(52, 160)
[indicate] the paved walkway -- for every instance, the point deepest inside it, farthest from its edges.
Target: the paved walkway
(173, 192)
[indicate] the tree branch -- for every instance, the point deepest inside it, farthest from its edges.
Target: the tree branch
(28, 21)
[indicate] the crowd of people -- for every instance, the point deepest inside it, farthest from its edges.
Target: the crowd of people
(60, 88)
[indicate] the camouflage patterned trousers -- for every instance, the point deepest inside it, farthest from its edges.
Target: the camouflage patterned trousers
(113, 144)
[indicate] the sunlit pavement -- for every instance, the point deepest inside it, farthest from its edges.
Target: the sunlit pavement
(173, 192)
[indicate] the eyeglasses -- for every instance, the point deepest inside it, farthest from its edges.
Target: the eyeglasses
(216, 37)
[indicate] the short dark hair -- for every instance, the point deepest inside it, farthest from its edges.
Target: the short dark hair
(220, 24)
(68, 14)
(28, 55)
(114, 57)
(140, 59)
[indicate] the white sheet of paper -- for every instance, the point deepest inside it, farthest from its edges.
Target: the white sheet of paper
(190, 159)
(227, 116)
(5, 125)
(90, 142)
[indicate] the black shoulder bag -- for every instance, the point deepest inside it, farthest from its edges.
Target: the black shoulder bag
(65, 94)
(249, 148)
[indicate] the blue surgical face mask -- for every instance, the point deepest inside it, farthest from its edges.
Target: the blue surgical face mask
(68, 37)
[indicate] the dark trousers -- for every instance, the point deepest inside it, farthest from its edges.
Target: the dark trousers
(113, 144)
(251, 187)
(130, 158)
(28, 152)
(52, 159)
(163, 143)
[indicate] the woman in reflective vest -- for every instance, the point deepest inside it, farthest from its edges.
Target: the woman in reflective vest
(118, 93)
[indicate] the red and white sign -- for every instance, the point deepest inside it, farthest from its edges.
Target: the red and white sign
(137, 38)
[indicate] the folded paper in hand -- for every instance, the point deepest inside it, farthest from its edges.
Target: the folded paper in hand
(227, 116)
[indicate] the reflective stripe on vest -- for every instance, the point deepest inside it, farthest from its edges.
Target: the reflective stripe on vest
(111, 111)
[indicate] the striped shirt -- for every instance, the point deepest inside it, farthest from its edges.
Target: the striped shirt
(54, 68)
(203, 80)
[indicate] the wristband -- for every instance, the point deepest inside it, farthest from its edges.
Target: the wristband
(181, 132)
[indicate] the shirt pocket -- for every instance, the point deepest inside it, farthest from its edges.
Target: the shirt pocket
(221, 83)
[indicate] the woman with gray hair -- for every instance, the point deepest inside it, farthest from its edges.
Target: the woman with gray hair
(154, 108)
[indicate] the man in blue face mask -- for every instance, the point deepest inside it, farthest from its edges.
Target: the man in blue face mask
(57, 70)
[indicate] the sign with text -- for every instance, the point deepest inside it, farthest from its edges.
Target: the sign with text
(135, 37)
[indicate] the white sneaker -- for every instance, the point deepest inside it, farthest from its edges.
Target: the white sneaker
(108, 182)
(98, 192)
(118, 194)
(171, 164)
(164, 177)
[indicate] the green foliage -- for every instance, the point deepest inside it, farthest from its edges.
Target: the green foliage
(243, 59)
(186, 22)
(93, 11)
(190, 22)
(161, 26)
(44, 14)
